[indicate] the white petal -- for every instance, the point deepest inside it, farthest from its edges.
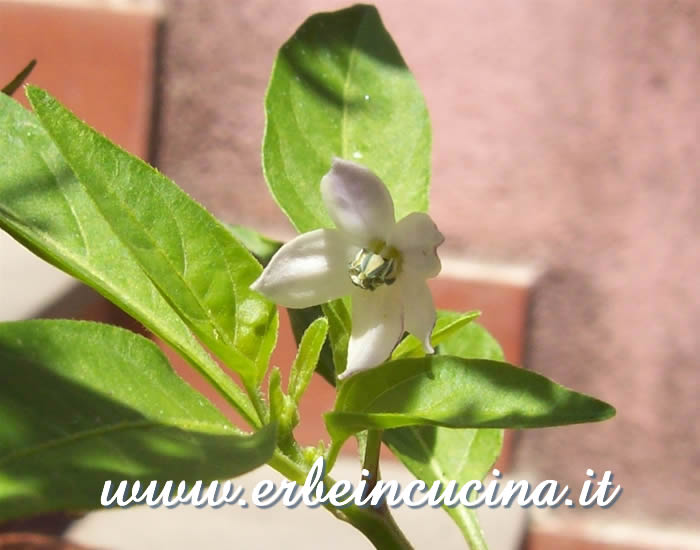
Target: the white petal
(309, 270)
(419, 310)
(417, 238)
(357, 201)
(377, 326)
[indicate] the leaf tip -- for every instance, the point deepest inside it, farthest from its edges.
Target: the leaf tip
(35, 94)
(607, 411)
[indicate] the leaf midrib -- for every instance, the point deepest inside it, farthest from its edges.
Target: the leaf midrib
(185, 425)
(346, 84)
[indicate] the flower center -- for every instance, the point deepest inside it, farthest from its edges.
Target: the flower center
(374, 266)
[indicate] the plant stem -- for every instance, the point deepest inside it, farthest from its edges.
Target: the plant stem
(373, 447)
(376, 524)
(370, 462)
(472, 530)
(378, 527)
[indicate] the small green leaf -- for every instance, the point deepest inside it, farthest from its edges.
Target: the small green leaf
(43, 206)
(447, 324)
(456, 393)
(306, 359)
(17, 81)
(283, 412)
(193, 260)
(276, 397)
(301, 319)
(82, 403)
(267, 344)
(339, 87)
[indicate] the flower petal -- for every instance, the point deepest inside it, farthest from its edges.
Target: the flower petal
(417, 238)
(309, 270)
(419, 310)
(357, 201)
(377, 326)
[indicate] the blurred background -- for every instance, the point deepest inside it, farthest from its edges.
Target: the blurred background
(566, 166)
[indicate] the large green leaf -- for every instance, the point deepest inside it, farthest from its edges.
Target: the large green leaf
(43, 206)
(436, 453)
(193, 260)
(456, 393)
(340, 87)
(82, 403)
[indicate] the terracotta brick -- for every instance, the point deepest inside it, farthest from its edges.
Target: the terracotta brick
(99, 62)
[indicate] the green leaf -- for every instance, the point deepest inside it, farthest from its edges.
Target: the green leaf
(435, 453)
(447, 324)
(442, 454)
(263, 249)
(301, 319)
(276, 398)
(472, 341)
(43, 206)
(456, 393)
(82, 403)
(18, 80)
(339, 87)
(307, 358)
(267, 343)
(193, 260)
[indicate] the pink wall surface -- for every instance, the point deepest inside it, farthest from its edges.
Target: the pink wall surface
(566, 133)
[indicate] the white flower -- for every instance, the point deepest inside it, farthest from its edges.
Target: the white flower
(383, 265)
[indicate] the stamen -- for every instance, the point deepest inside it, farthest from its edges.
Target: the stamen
(375, 266)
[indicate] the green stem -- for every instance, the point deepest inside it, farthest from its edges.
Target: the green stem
(471, 529)
(370, 462)
(373, 447)
(375, 524)
(288, 445)
(378, 527)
